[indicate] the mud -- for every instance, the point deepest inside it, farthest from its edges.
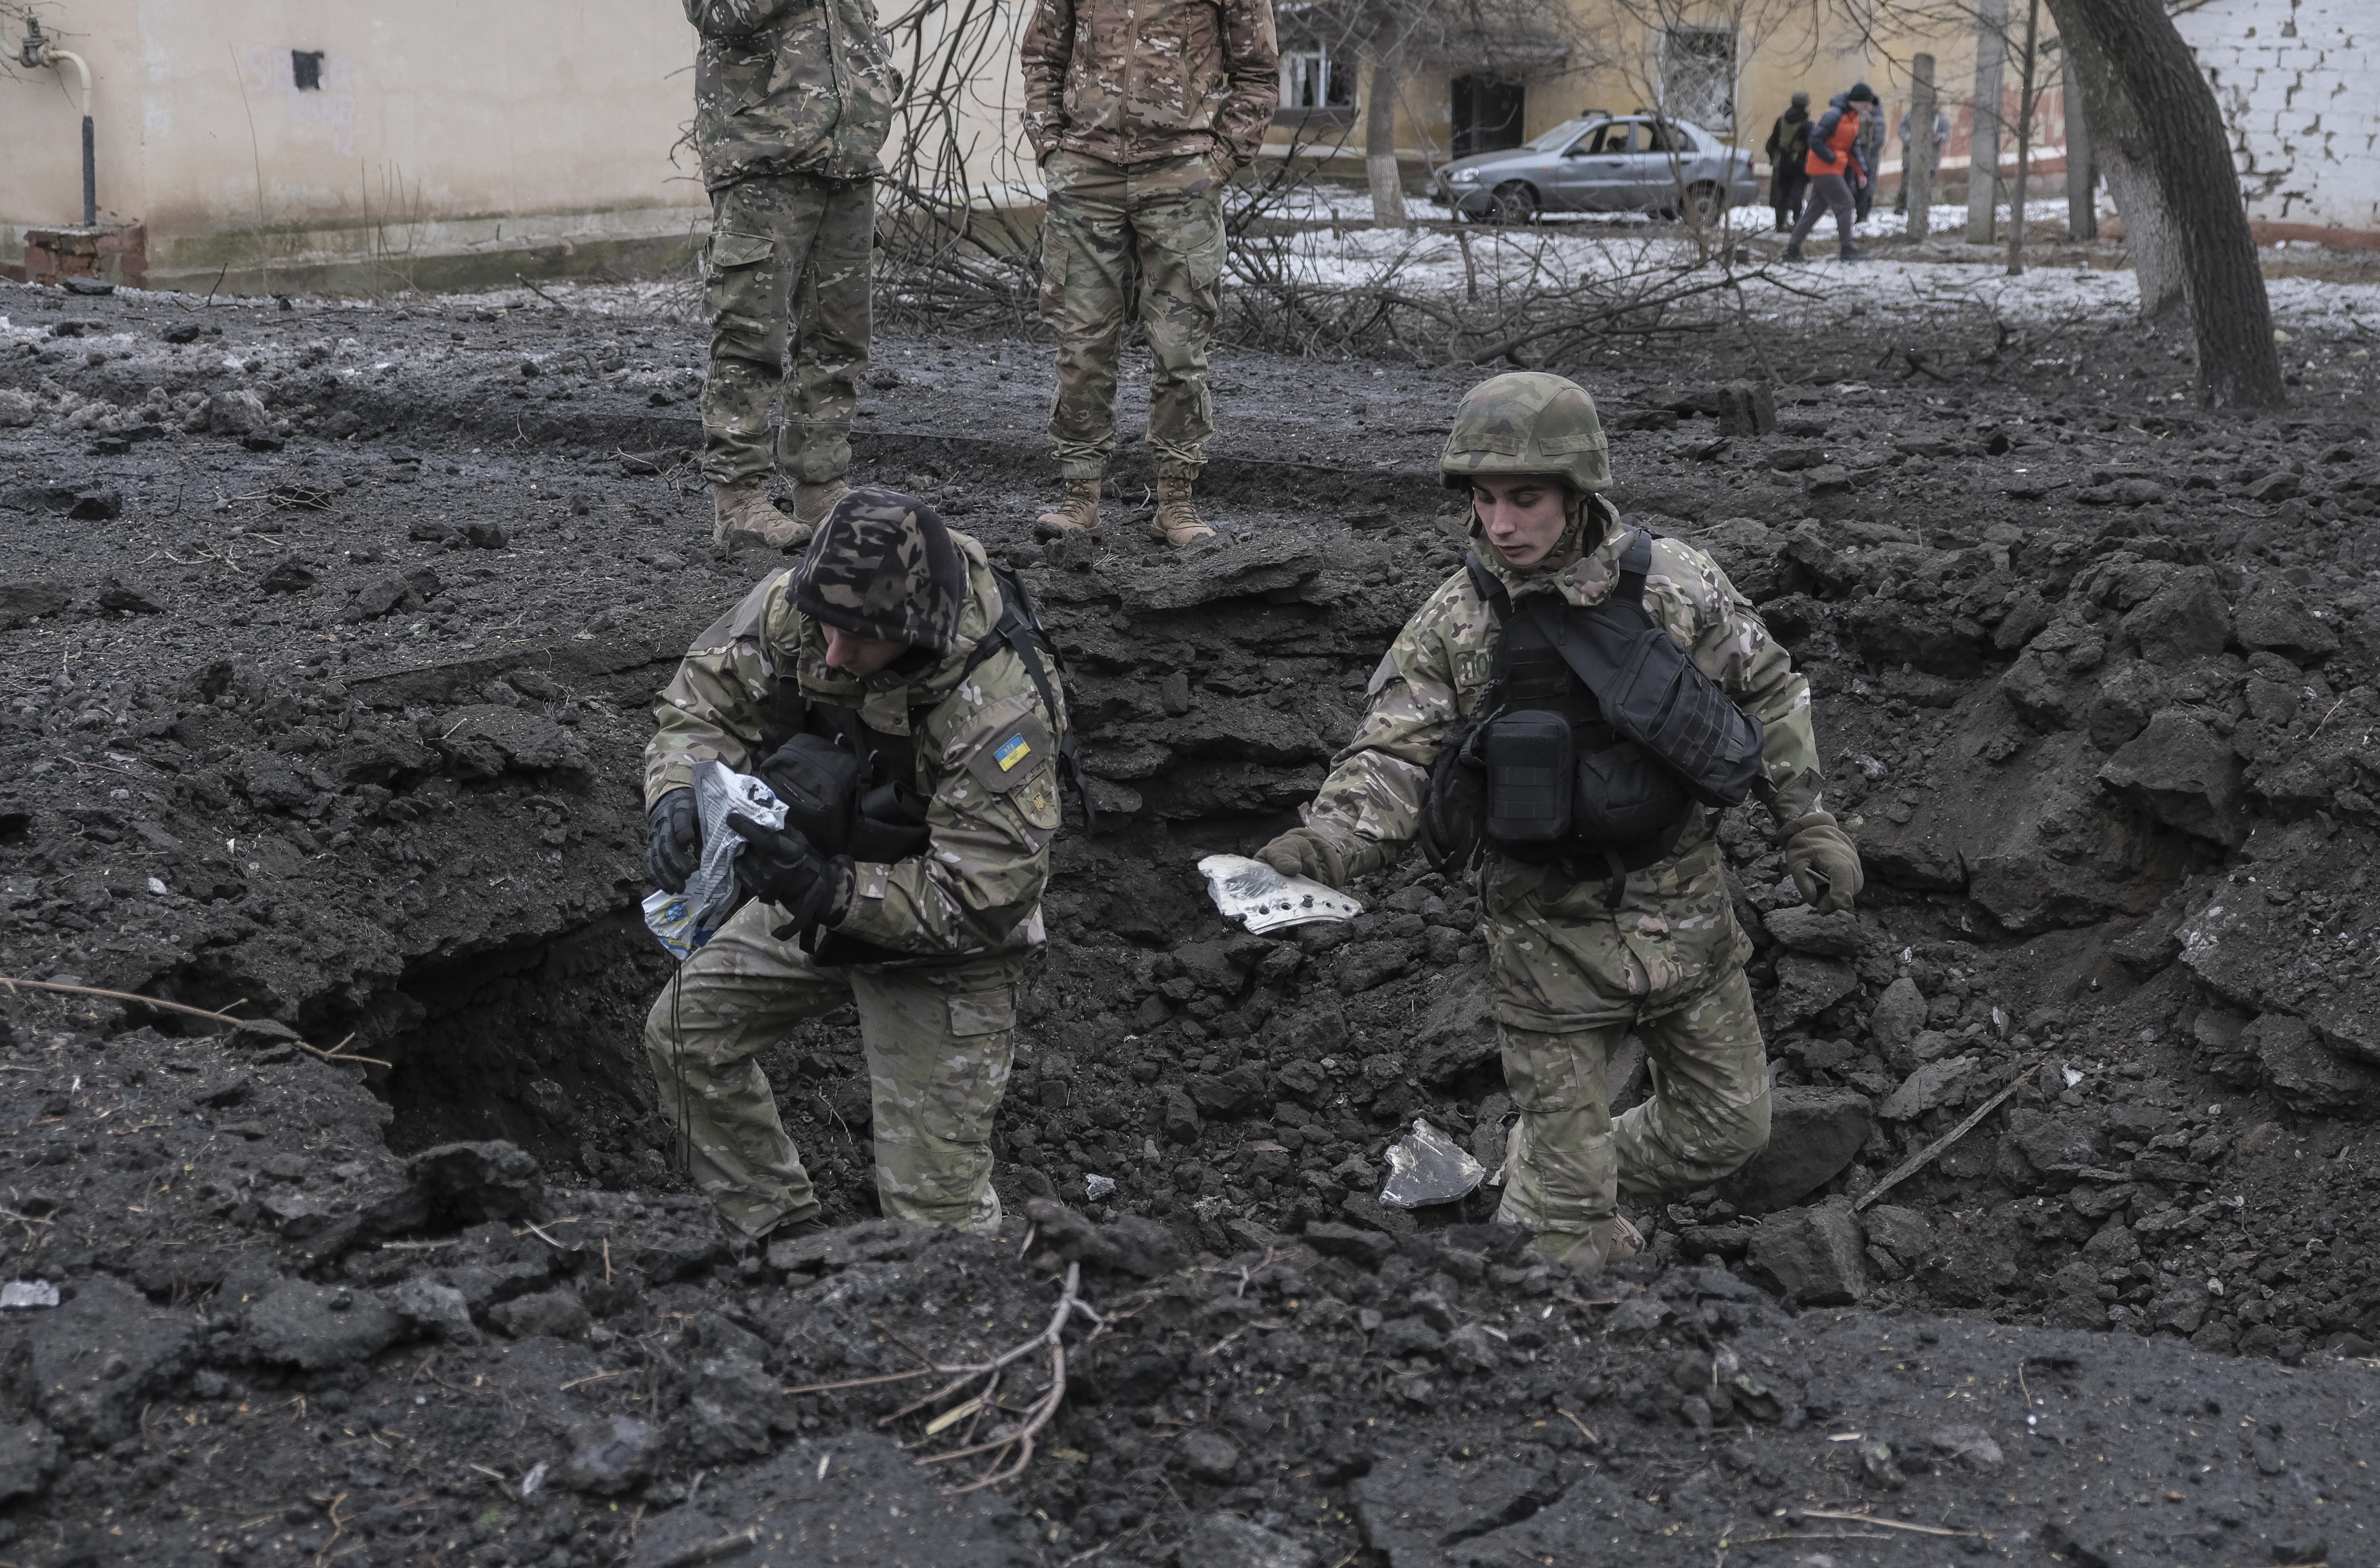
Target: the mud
(325, 700)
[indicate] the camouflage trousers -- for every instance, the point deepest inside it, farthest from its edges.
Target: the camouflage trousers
(788, 268)
(1163, 217)
(939, 1043)
(1570, 977)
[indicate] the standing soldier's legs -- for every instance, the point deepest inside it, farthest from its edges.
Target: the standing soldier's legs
(738, 994)
(940, 1043)
(1177, 231)
(833, 323)
(1561, 1173)
(1084, 263)
(1710, 1109)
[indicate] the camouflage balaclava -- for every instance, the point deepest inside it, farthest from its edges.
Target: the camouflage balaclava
(882, 565)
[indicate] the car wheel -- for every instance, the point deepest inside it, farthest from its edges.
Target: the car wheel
(1513, 202)
(1707, 202)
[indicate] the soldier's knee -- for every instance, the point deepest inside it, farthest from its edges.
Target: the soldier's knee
(1739, 1131)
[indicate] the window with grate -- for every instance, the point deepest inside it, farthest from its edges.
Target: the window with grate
(1312, 79)
(1699, 77)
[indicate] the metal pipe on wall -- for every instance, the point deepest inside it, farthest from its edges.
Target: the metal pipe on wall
(36, 52)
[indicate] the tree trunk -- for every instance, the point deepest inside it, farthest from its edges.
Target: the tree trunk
(2154, 244)
(1919, 155)
(1984, 147)
(2149, 100)
(2082, 169)
(2029, 63)
(1380, 143)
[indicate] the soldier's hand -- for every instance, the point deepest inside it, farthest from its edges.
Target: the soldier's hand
(672, 840)
(1300, 852)
(781, 868)
(1824, 862)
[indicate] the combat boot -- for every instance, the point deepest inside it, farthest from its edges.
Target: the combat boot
(813, 502)
(1176, 522)
(1078, 514)
(743, 517)
(1626, 1241)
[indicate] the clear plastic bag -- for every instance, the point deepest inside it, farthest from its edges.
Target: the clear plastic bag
(1426, 1167)
(683, 922)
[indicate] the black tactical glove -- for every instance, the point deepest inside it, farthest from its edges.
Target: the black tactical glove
(781, 868)
(672, 840)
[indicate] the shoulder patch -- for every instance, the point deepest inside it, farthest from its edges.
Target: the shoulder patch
(1016, 751)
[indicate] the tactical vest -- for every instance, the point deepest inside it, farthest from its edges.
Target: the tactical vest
(1596, 742)
(850, 789)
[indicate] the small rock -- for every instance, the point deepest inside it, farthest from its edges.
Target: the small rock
(1813, 1134)
(433, 1308)
(236, 414)
(610, 1455)
(1899, 1014)
(1970, 1446)
(1226, 1540)
(1807, 986)
(1814, 1254)
(30, 1453)
(557, 1314)
(314, 1327)
(1833, 935)
(1931, 1087)
(1209, 1458)
(470, 1183)
(1335, 1240)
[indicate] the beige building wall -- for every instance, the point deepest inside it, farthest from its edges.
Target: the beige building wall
(447, 141)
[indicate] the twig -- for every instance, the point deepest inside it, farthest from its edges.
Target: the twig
(1885, 1524)
(1925, 1156)
(539, 292)
(333, 1055)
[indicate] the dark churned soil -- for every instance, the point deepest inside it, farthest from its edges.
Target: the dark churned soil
(323, 705)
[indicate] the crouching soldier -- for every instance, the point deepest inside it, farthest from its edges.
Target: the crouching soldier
(897, 695)
(1560, 714)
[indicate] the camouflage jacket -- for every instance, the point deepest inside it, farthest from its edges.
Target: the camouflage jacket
(1128, 80)
(985, 761)
(1440, 667)
(790, 86)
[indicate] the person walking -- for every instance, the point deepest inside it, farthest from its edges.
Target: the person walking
(1789, 145)
(1140, 112)
(906, 711)
(1871, 160)
(1508, 732)
(790, 113)
(1835, 169)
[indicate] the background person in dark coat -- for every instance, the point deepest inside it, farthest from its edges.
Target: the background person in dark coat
(1788, 142)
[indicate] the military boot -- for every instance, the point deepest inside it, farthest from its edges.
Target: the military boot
(743, 517)
(1626, 1241)
(813, 502)
(1176, 522)
(1078, 514)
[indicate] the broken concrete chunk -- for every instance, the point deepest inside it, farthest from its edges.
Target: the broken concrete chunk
(1931, 1087)
(609, 1455)
(1815, 1255)
(433, 1308)
(1813, 1135)
(234, 414)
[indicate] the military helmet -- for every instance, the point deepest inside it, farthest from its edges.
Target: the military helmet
(1527, 422)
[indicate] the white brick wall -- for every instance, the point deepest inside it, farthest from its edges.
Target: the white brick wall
(2299, 84)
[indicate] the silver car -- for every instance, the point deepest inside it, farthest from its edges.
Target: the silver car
(1631, 164)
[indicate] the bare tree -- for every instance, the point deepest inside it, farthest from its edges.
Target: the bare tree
(2150, 104)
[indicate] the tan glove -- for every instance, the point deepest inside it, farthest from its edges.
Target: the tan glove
(1300, 852)
(1823, 861)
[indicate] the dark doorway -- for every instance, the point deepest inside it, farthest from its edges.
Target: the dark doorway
(1486, 115)
(306, 69)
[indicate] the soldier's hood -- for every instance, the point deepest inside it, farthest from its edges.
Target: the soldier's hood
(1586, 581)
(915, 680)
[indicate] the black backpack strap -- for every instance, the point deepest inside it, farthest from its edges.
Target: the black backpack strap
(1020, 629)
(1636, 564)
(1484, 583)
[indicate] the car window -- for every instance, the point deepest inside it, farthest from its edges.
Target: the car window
(1612, 138)
(1557, 138)
(1664, 139)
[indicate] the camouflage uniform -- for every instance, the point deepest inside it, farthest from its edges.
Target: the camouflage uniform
(1570, 974)
(792, 104)
(1140, 110)
(962, 920)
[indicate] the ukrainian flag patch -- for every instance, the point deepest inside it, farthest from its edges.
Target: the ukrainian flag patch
(1011, 751)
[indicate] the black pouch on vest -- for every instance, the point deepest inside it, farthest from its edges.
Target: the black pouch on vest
(1681, 716)
(1625, 796)
(818, 779)
(1529, 756)
(892, 824)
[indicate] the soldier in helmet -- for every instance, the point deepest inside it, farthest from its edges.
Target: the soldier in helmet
(791, 106)
(895, 695)
(1561, 714)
